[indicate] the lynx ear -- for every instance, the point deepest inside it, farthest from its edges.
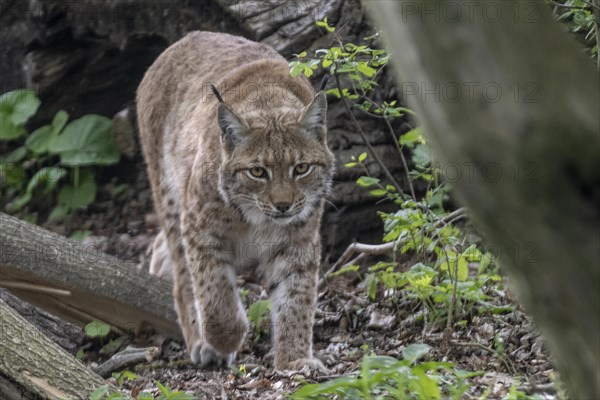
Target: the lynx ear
(314, 117)
(233, 127)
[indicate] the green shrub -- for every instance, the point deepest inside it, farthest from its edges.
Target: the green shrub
(58, 159)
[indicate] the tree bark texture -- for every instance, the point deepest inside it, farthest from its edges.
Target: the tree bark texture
(37, 365)
(66, 335)
(97, 286)
(521, 147)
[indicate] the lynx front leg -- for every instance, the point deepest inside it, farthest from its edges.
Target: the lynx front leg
(293, 309)
(223, 319)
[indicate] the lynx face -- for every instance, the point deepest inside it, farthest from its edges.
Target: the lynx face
(276, 164)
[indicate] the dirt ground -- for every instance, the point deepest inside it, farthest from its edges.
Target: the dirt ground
(348, 324)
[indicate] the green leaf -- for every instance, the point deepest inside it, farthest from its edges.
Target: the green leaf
(47, 176)
(301, 55)
(145, 396)
(363, 68)
(350, 165)
(165, 390)
(80, 237)
(463, 269)
(99, 393)
(58, 213)
(8, 130)
(97, 329)
(472, 253)
(362, 157)
(15, 156)
(413, 352)
(296, 68)
(325, 24)
(372, 286)
(421, 155)
(378, 192)
(344, 270)
(124, 376)
(315, 391)
(19, 203)
(258, 311)
(19, 106)
(40, 139)
(334, 91)
(77, 196)
(366, 181)
(117, 396)
(308, 72)
(427, 386)
(87, 140)
(13, 174)
(414, 135)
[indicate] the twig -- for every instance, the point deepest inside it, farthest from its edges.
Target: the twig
(395, 140)
(129, 356)
(365, 139)
(34, 288)
(404, 163)
(376, 249)
(455, 284)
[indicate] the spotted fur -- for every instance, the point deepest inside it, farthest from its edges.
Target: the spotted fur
(238, 185)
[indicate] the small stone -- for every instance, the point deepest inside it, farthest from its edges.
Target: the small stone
(380, 321)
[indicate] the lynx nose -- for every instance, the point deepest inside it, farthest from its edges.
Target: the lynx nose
(283, 206)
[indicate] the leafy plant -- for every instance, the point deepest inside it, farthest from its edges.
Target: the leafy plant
(257, 313)
(97, 329)
(58, 158)
(579, 17)
(448, 276)
(438, 273)
(124, 376)
(386, 377)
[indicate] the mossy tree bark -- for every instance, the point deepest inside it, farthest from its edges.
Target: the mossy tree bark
(37, 365)
(511, 106)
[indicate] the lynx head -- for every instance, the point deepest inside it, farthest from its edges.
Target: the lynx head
(276, 165)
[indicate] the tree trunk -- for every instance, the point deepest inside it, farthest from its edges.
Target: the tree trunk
(78, 284)
(521, 149)
(32, 366)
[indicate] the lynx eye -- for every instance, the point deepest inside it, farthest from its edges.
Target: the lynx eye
(258, 172)
(301, 169)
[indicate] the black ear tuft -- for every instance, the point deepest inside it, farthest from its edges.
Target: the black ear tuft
(233, 127)
(314, 117)
(216, 93)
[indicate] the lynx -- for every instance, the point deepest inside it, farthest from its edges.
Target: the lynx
(239, 167)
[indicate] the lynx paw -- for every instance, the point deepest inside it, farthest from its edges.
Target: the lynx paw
(313, 364)
(204, 355)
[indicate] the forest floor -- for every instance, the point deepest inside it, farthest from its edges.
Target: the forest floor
(504, 348)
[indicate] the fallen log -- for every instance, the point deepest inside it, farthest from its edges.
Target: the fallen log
(66, 335)
(32, 366)
(80, 284)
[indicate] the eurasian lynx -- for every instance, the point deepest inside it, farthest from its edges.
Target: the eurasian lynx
(238, 185)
